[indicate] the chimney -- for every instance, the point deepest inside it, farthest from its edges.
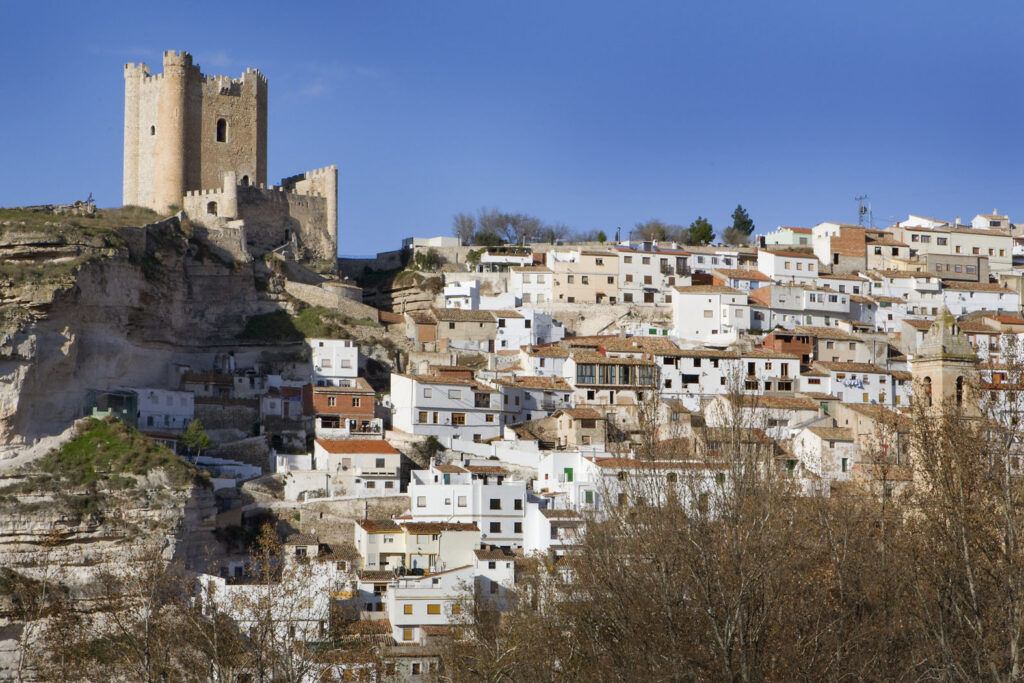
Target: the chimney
(957, 221)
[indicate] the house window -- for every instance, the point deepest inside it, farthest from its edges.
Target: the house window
(570, 279)
(380, 463)
(423, 417)
(599, 262)
(406, 634)
(458, 418)
(332, 401)
(611, 279)
(488, 418)
(451, 326)
(588, 497)
(211, 208)
(454, 394)
(845, 464)
(495, 504)
(495, 527)
(416, 668)
(356, 402)
(222, 130)
(462, 501)
(517, 527)
(407, 608)
(434, 608)
(647, 260)
(585, 280)
(623, 475)
(421, 501)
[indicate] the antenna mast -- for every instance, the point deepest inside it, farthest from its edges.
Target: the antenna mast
(862, 210)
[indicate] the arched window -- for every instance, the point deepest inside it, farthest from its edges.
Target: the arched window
(928, 390)
(211, 208)
(245, 181)
(222, 130)
(152, 130)
(959, 391)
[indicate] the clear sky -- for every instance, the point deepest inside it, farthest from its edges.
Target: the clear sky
(594, 114)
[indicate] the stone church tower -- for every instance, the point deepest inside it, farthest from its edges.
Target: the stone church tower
(946, 365)
(184, 130)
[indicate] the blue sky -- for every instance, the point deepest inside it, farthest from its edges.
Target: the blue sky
(594, 114)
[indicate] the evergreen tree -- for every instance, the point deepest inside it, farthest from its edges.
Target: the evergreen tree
(741, 221)
(701, 231)
(195, 437)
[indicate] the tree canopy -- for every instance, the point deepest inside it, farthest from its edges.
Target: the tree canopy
(701, 231)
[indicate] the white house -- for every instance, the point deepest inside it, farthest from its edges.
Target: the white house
(828, 452)
(543, 361)
(791, 305)
(788, 266)
(414, 546)
(710, 314)
(333, 359)
(648, 272)
(481, 494)
(164, 410)
(445, 407)
(551, 531)
(858, 383)
(532, 284)
(465, 295)
(364, 468)
(524, 327)
(414, 603)
(532, 398)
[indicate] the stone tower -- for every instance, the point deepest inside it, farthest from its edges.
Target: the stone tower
(184, 130)
(946, 365)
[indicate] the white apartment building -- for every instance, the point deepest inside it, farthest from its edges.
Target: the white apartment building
(414, 602)
(532, 284)
(363, 468)
(428, 546)
(966, 297)
(647, 272)
(706, 259)
(996, 244)
(480, 494)
(333, 359)
(550, 531)
(526, 326)
(543, 361)
(710, 314)
(164, 410)
(791, 305)
(464, 295)
(991, 221)
(788, 266)
(426, 405)
(858, 383)
(696, 375)
(532, 398)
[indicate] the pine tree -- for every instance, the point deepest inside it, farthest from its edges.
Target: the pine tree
(741, 221)
(701, 231)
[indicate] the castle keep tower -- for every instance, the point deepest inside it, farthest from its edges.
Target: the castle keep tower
(184, 130)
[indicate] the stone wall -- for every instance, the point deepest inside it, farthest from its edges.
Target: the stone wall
(252, 451)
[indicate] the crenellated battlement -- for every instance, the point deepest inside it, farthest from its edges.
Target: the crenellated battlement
(177, 58)
(133, 70)
(318, 172)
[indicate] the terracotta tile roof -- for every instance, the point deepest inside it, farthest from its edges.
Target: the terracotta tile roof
(832, 433)
(486, 469)
(437, 527)
(551, 351)
(790, 254)
(207, 378)
(922, 325)
(595, 358)
(851, 367)
(707, 289)
(422, 317)
(761, 296)
(741, 274)
(826, 333)
(527, 382)
(818, 395)
(486, 555)
(887, 299)
(582, 413)
(376, 576)
(450, 469)
(956, 285)
(356, 446)
(802, 231)
(462, 315)
(768, 353)
(378, 526)
(506, 314)
(565, 516)
(707, 353)
(531, 269)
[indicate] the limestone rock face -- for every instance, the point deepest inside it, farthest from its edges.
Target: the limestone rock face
(122, 316)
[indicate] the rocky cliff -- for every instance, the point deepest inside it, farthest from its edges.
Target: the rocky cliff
(97, 306)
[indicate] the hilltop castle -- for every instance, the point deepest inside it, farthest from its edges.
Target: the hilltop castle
(199, 143)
